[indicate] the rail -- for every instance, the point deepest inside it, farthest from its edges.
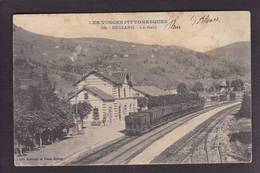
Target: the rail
(116, 152)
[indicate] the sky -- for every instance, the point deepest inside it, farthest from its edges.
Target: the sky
(189, 29)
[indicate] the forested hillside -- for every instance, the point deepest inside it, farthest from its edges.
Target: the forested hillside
(163, 66)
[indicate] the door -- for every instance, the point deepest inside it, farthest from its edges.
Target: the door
(119, 112)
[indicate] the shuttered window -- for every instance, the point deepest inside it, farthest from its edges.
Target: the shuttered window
(86, 96)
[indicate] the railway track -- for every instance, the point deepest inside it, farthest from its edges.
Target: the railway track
(182, 152)
(125, 149)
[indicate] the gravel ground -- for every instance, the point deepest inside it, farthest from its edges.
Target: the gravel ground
(89, 139)
(212, 144)
(180, 138)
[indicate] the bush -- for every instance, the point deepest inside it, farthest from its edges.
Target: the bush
(198, 87)
(182, 89)
(238, 85)
(245, 110)
(142, 102)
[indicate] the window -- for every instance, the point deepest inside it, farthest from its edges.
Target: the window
(86, 96)
(119, 92)
(110, 110)
(95, 114)
(124, 93)
(119, 112)
(130, 107)
(114, 91)
(110, 113)
(125, 109)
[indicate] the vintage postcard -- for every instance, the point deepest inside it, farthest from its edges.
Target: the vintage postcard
(132, 88)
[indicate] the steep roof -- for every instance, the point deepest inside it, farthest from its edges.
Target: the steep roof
(101, 94)
(96, 92)
(117, 78)
(150, 90)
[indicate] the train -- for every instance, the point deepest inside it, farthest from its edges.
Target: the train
(143, 121)
(223, 96)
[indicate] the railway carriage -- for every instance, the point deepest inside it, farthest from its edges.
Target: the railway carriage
(141, 122)
(154, 114)
(176, 108)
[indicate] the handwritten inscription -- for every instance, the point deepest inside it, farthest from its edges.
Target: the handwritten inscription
(206, 19)
(172, 24)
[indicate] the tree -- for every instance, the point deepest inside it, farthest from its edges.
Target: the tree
(182, 89)
(211, 89)
(197, 87)
(82, 109)
(232, 96)
(36, 102)
(237, 84)
(245, 110)
(21, 133)
(142, 102)
(39, 115)
(216, 85)
(228, 84)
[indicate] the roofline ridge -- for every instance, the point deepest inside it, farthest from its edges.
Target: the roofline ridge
(95, 72)
(101, 91)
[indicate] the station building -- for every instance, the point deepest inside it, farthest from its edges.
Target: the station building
(111, 95)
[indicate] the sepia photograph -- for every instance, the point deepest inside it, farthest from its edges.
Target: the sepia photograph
(143, 88)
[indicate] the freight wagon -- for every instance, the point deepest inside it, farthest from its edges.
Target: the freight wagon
(141, 122)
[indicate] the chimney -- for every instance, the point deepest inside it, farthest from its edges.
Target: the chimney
(109, 70)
